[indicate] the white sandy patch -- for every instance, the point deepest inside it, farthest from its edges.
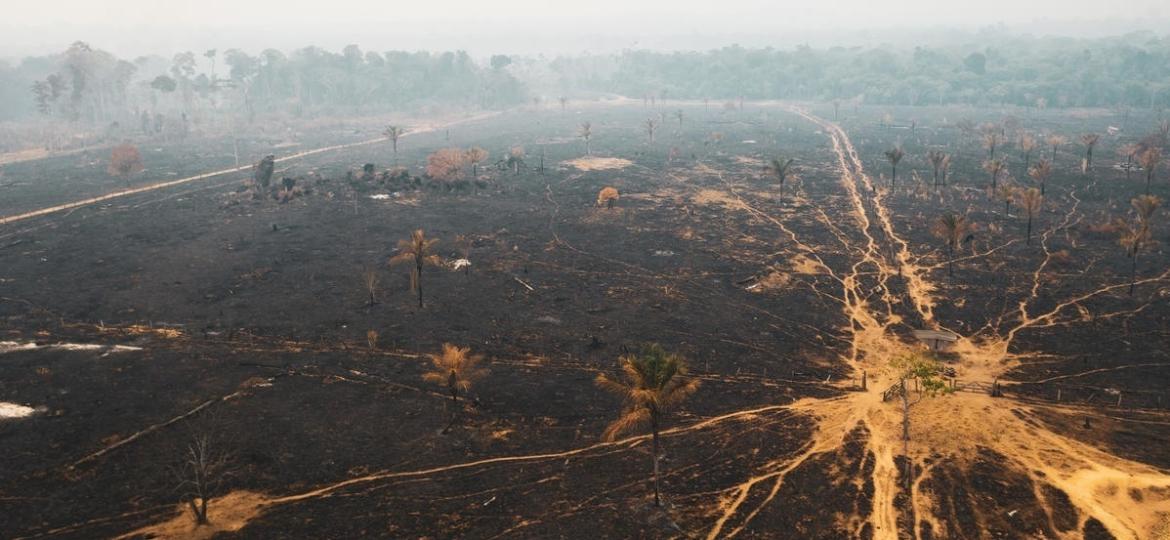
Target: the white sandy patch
(599, 163)
(13, 346)
(14, 410)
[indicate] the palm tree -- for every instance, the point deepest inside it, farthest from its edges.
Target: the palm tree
(419, 250)
(1089, 140)
(1134, 236)
(475, 155)
(679, 115)
(894, 155)
(951, 229)
(586, 132)
(1030, 201)
(1040, 172)
(1006, 192)
(1027, 145)
(937, 159)
(779, 169)
(994, 167)
(946, 168)
(651, 383)
(1055, 141)
(393, 132)
(1149, 160)
(456, 369)
(991, 139)
(650, 125)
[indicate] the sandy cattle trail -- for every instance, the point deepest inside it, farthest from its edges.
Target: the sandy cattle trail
(170, 183)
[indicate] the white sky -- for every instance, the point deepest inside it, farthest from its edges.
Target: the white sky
(132, 27)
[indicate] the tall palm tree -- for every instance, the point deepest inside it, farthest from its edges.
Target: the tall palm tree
(894, 155)
(393, 132)
(651, 383)
(951, 229)
(586, 132)
(1089, 140)
(1030, 201)
(456, 369)
(994, 167)
(1149, 160)
(779, 169)
(937, 159)
(1134, 236)
(418, 249)
(1040, 172)
(1055, 141)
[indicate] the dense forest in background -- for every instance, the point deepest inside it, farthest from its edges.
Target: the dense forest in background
(1127, 71)
(86, 85)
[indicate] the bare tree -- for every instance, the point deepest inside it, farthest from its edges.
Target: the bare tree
(371, 278)
(202, 470)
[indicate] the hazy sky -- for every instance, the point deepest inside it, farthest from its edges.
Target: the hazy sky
(132, 27)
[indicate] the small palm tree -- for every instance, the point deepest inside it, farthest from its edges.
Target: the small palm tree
(1090, 141)
(894, 155)
(780, 169)
(937, 159)
(456, 369)
(586, 132)
(951, 229)
(1149, 159)
(994, 167)
(418, 249)
(651, 383)
(1030, 200)
(679, 115)
(1040, 172)
(1133, 236)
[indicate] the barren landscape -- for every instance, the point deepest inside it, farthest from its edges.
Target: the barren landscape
(134, 320)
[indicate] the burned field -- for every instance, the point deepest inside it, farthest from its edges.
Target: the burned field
(250, 320)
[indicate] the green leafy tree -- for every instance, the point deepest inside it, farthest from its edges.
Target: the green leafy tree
(928, 372)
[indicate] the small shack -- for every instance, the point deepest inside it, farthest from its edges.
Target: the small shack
(937, 340)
